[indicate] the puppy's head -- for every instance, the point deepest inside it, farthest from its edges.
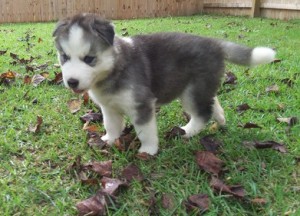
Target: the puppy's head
(85, 50)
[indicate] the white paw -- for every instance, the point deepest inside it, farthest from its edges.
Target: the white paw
(188, 132)
(108, 140)
(149, 149)
(220, 119)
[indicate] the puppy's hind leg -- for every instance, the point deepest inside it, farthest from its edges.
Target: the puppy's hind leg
(199, 108)
(218, 112)
(144, 122)
(113, 124)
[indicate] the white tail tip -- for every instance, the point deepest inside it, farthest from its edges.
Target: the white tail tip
(262, 55)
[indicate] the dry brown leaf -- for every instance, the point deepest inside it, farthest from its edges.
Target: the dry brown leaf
(243, 107)
(144, 156)
(259, 201)
(175, 132)
(111, 186)
(95, 205)
(197, 203)
(219, 186)
(91, 117)
(94, 140)
(208, 162)
(37, 127)
(291, 121)
(27, 79)
(266, 144)
(249, 125)
(103, 168)
(230, 78)
(74, 105)
(167, 201)
(210, 143)
(273, 88)
(132, 172)
(37, 79)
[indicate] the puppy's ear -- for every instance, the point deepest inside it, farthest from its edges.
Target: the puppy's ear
(60, 27)
(104, 29)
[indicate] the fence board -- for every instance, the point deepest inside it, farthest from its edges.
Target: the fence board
(279, 9)
(49, 10)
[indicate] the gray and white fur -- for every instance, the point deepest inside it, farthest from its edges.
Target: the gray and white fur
(132, 76)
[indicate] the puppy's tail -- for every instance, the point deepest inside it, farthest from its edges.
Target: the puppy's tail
(243, 55)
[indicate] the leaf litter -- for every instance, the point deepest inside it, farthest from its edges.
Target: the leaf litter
(197, 203)
(110, 187)
(266, 144)
(36, 128)
(208, 162)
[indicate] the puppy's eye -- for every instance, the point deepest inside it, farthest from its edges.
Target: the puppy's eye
(65, 57)
(88, 59)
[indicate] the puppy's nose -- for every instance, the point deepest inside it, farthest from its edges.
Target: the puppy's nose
(73, 83)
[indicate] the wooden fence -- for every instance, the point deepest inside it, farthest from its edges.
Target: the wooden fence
(49, 10)
(277, 9)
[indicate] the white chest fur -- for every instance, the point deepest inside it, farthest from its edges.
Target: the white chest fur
(122, 101)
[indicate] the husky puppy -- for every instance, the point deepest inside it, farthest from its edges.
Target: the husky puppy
(133, 75)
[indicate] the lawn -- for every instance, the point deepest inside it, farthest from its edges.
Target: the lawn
(37, 165)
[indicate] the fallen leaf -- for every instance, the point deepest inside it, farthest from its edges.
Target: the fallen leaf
(197, 203)
(37, 127)
(144, 156)
(291, 121)
(94, 140)
(289, 82)
(214, 127)
(76, 165)
(132, 172)
(125, 33)
(167, 201)
(243, 107)
(3, 52)
(14, 56)
(29, 68)
(8, 77)
(127, 130)
(85, 98)
(103, 168)
(249, 125)
(276, 61)
(91, 117)
(111, 186)
(27, 79)
(210, 143)
(37, 79)
(230, 78)
(74, 105)
(259, 201)
(208, 162)
(267, 144)
(120, 145)
(95, 205)
(219, 186)
(58, 79)
(152, 204)
(90, 128)
(175, 132)
(273, 88)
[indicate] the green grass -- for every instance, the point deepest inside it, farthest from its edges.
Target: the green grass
(33, 167)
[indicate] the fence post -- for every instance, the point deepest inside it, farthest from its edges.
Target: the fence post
(255, 10)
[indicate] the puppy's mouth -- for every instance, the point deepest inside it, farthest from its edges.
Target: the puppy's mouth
(78, 91)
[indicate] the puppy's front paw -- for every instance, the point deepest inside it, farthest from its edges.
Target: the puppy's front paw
(149, 149)
(108, 139)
